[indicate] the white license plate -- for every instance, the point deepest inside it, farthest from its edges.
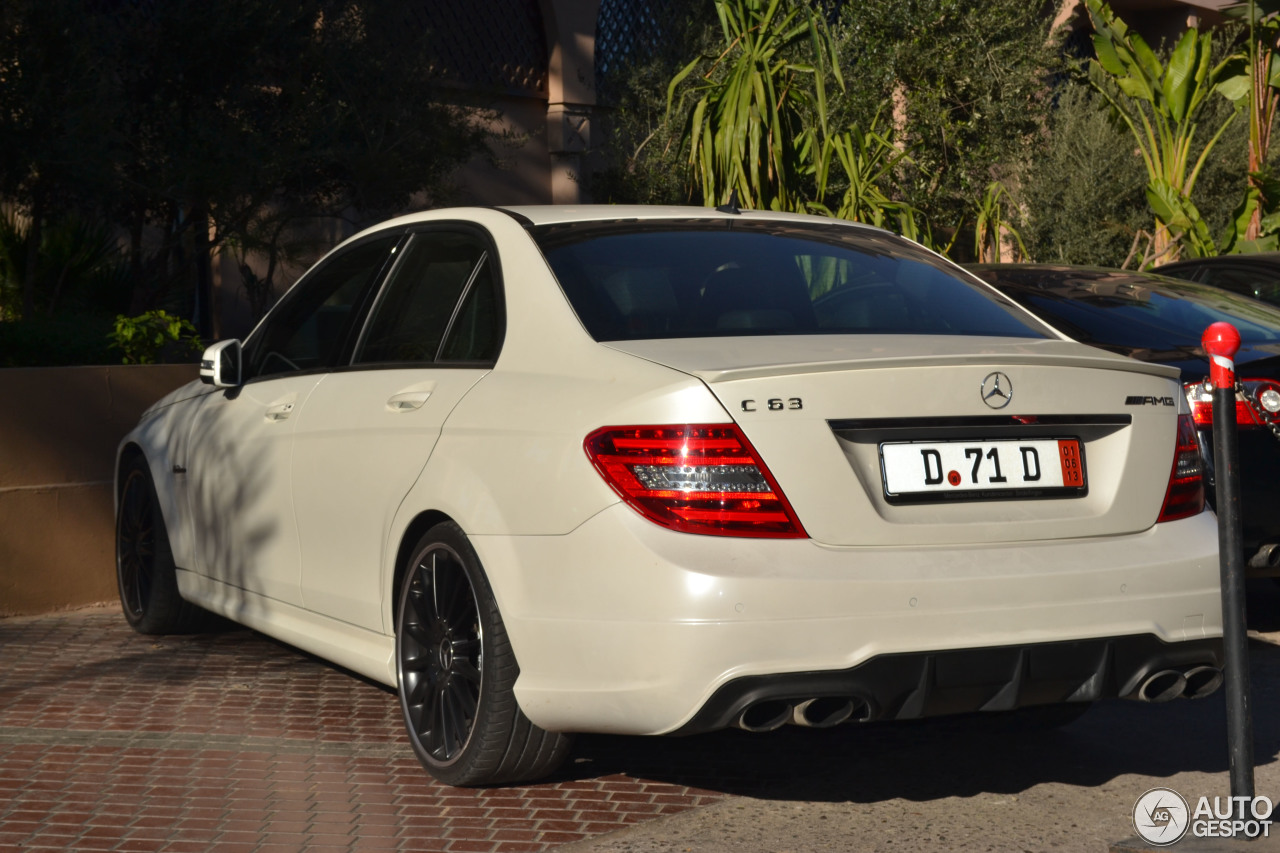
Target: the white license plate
(973, 470)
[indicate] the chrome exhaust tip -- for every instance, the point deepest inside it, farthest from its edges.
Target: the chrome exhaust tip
(1164, 686)
(1268, 557)
(823, 712)
(1202, 681)
(764, 716)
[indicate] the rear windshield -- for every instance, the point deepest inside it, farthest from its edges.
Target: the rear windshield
(669, 279)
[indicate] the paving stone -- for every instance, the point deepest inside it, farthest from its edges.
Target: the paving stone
(230, 742)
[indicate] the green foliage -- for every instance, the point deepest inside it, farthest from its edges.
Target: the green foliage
(867, 161)
(77, 261)
(993, 228)
(759, 115)
(1160, 102)
(1082, 189)
(1255, 81)
(969, 86)
(199, 125)
(946, 96)
(155, 335)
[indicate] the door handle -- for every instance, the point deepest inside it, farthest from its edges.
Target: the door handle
(408, 401)
(280, 411)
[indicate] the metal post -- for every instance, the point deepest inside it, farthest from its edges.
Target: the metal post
(1221, 341)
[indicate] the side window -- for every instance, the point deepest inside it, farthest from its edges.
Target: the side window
(474, 336)
(1242, 280)
(420, 304)
(306, 331)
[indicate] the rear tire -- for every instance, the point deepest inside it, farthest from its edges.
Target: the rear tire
(145, 574)
(455, 672)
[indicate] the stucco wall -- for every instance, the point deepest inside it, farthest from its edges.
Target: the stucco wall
(59, 427)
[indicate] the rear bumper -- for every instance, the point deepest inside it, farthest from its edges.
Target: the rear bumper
(911, 686)
(622, 626)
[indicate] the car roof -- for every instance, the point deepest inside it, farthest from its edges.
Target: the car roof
(536, 215)
(556, 214)
(1046, 276)
(1257, 263)
(1267, 259)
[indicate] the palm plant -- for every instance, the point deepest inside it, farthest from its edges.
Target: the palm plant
(1257, 83)
(1160, 103)
(760, 110)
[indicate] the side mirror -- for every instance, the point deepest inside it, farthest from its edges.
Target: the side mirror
(220, 364)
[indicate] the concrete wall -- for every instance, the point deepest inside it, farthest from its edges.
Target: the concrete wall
(59, 427)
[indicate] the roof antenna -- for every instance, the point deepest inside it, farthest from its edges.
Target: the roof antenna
(731, 206)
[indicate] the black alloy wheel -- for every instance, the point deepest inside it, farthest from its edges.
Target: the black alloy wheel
(136, 544)
(145, 572)
(441, 654)
(455, 672)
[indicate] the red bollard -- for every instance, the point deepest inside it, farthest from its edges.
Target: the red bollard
(1221, 341)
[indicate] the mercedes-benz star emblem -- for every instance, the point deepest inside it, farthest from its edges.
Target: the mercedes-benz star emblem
(997, 390)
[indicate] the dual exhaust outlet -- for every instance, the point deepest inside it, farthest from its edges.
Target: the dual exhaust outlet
(1168, 684)
(823, 712)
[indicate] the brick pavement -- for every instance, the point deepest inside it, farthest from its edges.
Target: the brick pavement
(232, 742)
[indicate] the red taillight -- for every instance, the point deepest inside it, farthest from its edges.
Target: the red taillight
(1185, 495)
(696, 478)
(1264, 395)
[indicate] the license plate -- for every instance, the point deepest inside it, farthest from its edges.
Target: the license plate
(983, 470)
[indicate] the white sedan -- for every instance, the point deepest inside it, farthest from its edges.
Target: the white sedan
(664, 470)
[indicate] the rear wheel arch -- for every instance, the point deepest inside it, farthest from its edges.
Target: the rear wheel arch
(417, 528)
(455, 670)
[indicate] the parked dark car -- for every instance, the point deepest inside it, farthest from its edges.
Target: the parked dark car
(1160, 319)
(1256, 275)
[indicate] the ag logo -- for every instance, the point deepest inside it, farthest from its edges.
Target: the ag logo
(1161, 816)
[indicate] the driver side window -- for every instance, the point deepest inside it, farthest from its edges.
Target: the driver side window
(307, 330)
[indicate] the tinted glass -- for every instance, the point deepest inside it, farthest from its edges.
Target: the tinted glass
(630, 281)
(1137, 311)
(1250, 281)
(421, 297)
(474, 335)
(308, 328)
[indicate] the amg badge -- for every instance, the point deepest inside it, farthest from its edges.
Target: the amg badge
(1135, 400)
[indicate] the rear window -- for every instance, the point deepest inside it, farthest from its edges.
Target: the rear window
(698, 278)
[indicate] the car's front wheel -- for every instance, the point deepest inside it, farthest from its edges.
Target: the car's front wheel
(145, 573)
(455, 672)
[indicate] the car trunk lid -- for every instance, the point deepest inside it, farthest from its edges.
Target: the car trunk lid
(851, 427)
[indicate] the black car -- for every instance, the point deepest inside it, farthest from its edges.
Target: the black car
(1256, 275)
(1155, 318)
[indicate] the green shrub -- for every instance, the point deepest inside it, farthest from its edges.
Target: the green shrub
(79, 267)
(1082, 195)
(155, 336)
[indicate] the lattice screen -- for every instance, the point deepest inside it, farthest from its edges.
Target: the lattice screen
(629, 30)
(487, 43)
